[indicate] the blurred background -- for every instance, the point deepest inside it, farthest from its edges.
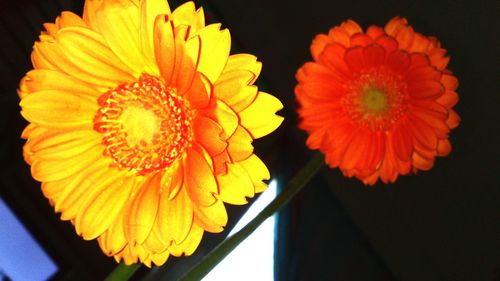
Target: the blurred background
(437, 226)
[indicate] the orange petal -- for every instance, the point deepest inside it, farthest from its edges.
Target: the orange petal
(360, 39)
(374, 32)
(444, 147)
(354, 59)
(240, 145)
(389, 43)
(402, 142)
(422, 132)
(199, 178)
(149, 10)
(453, 119)
(374, 55)
(208, 133)
(318, 45)
(339, 36)
(333, 58)
(164, 47)
(426, 89)
(398, 61)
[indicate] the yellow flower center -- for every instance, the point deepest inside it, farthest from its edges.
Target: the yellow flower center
(145, 125)
(373, 101)
(376, 99)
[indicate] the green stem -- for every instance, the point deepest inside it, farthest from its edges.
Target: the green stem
(123, 272)
(228, 245)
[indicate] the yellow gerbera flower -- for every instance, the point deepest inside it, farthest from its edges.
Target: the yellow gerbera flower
(141, 125)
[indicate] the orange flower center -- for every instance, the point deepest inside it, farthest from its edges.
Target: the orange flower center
(145, 125)
(376, 99)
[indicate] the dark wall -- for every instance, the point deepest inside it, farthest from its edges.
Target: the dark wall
(438, 225)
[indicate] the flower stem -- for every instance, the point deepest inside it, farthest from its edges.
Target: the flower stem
(123, 272)
(228, 245)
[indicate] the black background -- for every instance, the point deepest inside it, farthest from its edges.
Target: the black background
(438, 225)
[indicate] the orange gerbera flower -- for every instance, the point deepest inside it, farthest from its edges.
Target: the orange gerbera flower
(378, 103)
(142, 124)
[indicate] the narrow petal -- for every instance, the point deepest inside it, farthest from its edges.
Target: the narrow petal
(189, 245)
(199, 178)
(374, 55)
(57, 109)
(118, 22)
(113, 240)
(164, 47)
(88, 50)
(208, 133)
(240, 145)
(402, 143)
(355, 59)
(150, 9)
(239, 62)
(211, 218)
(53, 170)
(45, 79)
(215, 49)
(259, 118)
(142, 210)
(233, 89)
(103, 203)
(175, 217)
(235, 186)
(257, 171)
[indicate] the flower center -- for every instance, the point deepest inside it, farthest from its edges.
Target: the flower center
(376, 99)
(145, 125)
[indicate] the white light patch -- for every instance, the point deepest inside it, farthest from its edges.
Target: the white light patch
(253, 259)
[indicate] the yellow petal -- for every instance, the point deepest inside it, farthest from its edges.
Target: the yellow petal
(113, 240)
(175, 217)
(216, 45)
(88, 50)
(53, 170)
(240, 145)
(58, 109)
(236, 185)
(72, 198)
(257, 171)
(142, 211)
(259, 118)
(199, 177)
(155, 243)
(118, 22)
(103, 203)
(160, 259)
(186, 15)
(45, 79)
(189, 245)
(186, 61)
(224, 115)
(150, 9)
(172, 180)
(212, 218)
(232, 89)
(69, 19)
(199, 92)
(244, 62)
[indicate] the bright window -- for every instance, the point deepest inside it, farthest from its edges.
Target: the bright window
(253, 259)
